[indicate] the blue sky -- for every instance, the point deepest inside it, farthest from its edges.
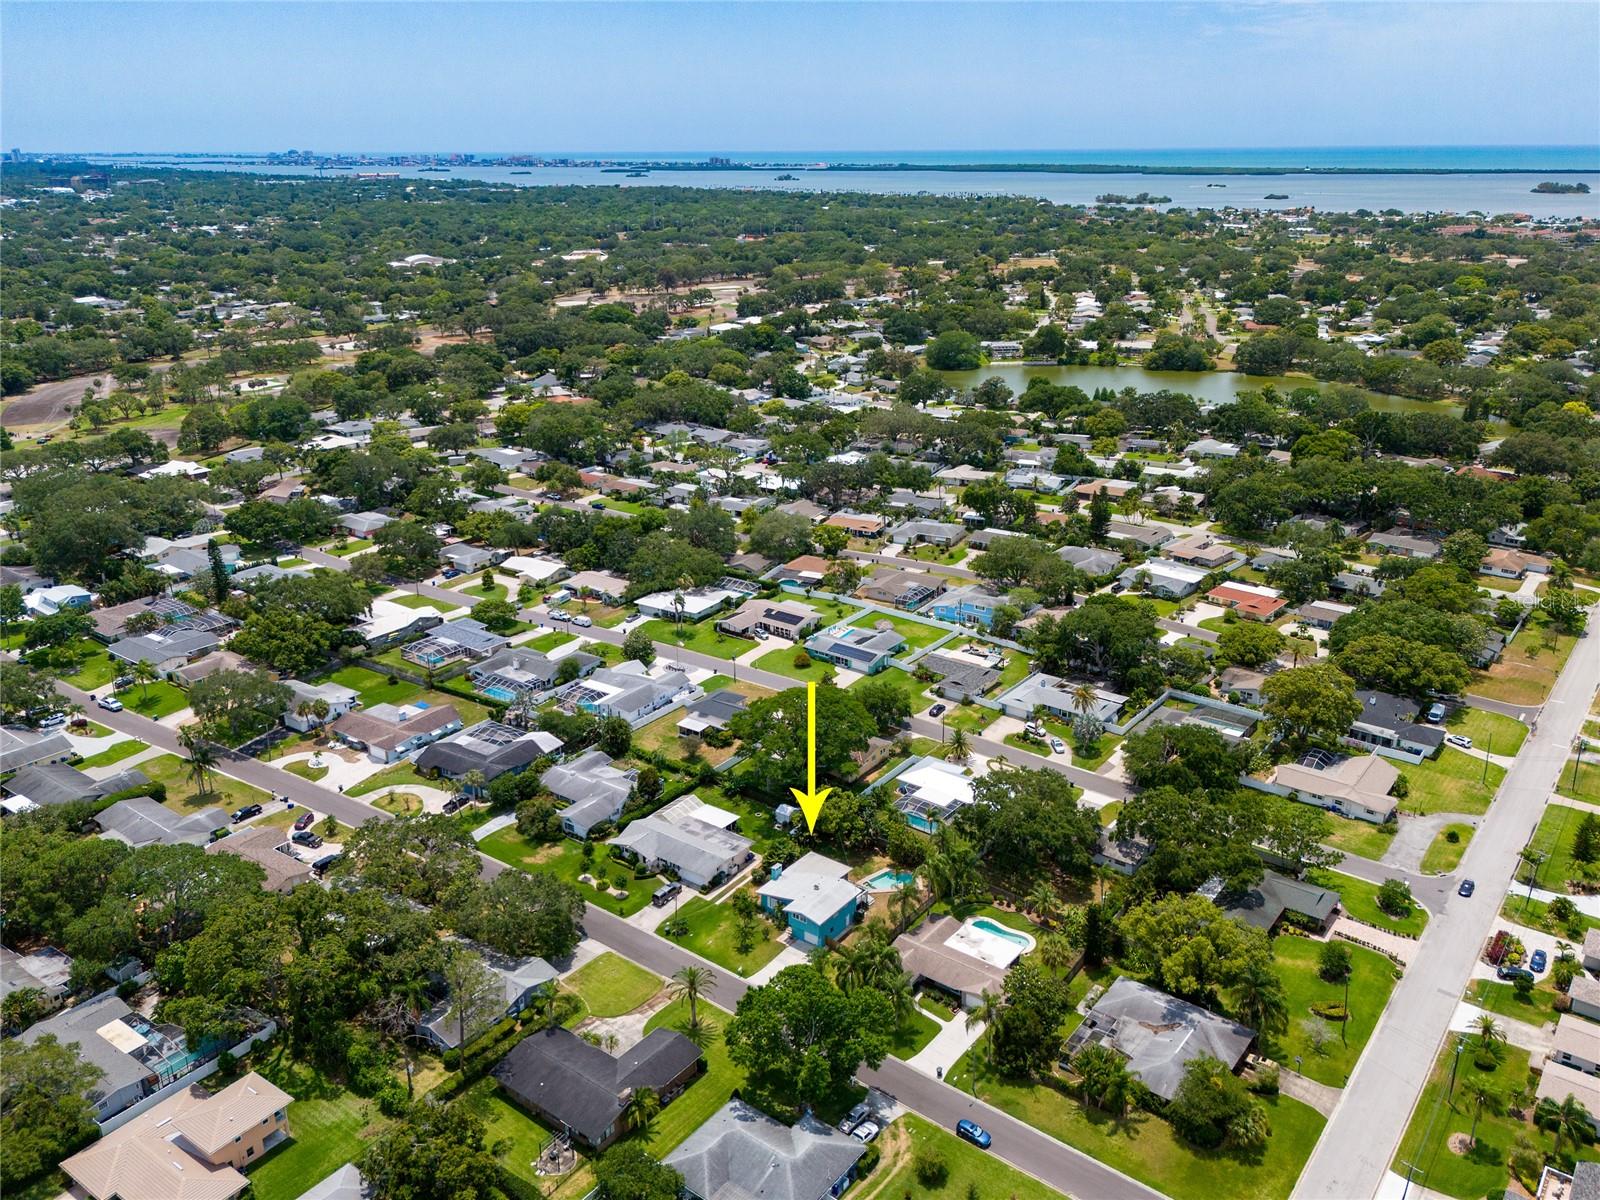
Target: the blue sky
(839, 76)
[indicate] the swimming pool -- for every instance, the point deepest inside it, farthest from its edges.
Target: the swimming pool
(506, 695)
(888, 881)
(1015, 936)
(990, 942)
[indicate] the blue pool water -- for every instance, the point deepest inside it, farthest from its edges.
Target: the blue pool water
(1000, 931)
(888, 881)
(500, 693)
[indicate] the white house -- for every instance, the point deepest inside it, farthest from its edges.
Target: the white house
(1163, 577)
(1353, 787)
(698, 603)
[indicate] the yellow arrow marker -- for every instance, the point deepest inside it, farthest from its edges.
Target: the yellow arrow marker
(811, 799)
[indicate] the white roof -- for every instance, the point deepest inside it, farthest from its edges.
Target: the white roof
(536, 569)
(937, 782)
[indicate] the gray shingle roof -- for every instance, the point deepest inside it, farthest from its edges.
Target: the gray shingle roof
(1159, 1034)
(741, 1153)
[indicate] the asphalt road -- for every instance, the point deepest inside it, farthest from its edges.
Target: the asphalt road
(47, 404)
(1364, 1133)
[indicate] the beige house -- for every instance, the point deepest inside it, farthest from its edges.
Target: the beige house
(1353, 787)
(191, 1146)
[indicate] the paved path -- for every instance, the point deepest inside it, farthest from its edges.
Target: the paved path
(1526, 713)
(1308, 1091)
(1381, 940)
(953, 1040)
(1354, 1153)
(1414, 835)
(1533, 1038)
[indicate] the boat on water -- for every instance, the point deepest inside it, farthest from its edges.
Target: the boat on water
(786, 176)
(1216, 185)
(436, 170)
(522, 172)
(637, 174)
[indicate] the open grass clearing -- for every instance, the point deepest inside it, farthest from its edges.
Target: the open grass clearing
(1528, 668)
(565, 860)
(1449, 844)
(185, 797)
(1361, 838)
(609, 985)
(704, 637)
(1454, 782)
(126, 748)
(1494, 732)
(1360, 901)
(328, 1126)
(713, 934)
(1371, 981)
(916, 634)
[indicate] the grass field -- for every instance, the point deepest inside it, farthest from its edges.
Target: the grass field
(1537, 1008)
(306, 771)
(1536, 915)
(397, 775)
(913, 1034)
(1361, 838)
(1360, 901)
(1452, 783)
(915, 690)
(156, 700)
(1371, 981)
(1555, 838)
(410, 600)
(713, 934)
(1580, 780)
(564, 859)
(1444, 855)
(182, 796)
(916, 634)
(329, 1126)
(704, 637)
(1527, 670)
(783, 660)
(547, 642)
(505, 1122)
(123, 749)
(707, 1093)
(661, 737)
(1494, 732)
(972, 1172)
(1143, 1145)
(95, 669)
(610, 985)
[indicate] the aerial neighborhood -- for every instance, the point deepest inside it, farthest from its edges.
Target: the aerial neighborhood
(414, 612)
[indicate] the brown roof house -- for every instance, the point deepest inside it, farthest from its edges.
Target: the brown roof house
(191, 1146)
(270, 849)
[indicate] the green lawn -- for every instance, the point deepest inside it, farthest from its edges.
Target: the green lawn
(913, 1034)
(974, 718)
(410, 600)
(916, 634)
(1452, 783)
(397, 775)
(1144, 1146)
(1538, 1008)
(1489, 731)
(1555, 838)
(156, 700)
(564, 859)
(1371, 981)
(1361, 838)
(1426, 1145)
(95, 669)
(1360, 900)
(704, 637)
(783, 660)
(1527, 670)
(329, 1126)
(706, 1094)
(221, 792)
(1444, 855)
(973, 1172)
(547, 642)
(712, 935)
(306, 771)
(506, 1122)
(610, 985)
(1536, 915)
(1580, 779)
(349, 546)
(123, 749)
(936, 554)
(908, 683)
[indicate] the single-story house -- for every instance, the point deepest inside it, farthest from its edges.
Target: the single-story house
(970, 604)
(594, 789)
(1122, 854)
(691, 837)
(339, 699)
(1151, 537)
(1322, 614)
(816, 897)
(787, 619)
(960, 678)
(1576, 1044)
(363, 524)
(388, 732)
(742, 1152)
(166, 649)
(865, 525)
(1093, 561)
(520, 981)
(1159, 1035)
(931, 954)
(804, 508)
(935, 533)
(807, 570)
(900, 589)
(1390, 722)
(44, 785)
(1163, 577)
(628, 690)
(929, 791)
(141, 821)
(517, 670)
(1514, 564)
(1263, 905)
(1585, 995)
(534, 569)
(1251, 601)
(467, 558)
(46, 969)
(490, 748)
(387, 623)
(460, 638)
(270, 849)
(1591, 950)
(1210, 448)
(711, 711)
(856, 648)
(697, 603)
(1403, 544)
(577, 1087)
(45, 601)
(602, 585)
(1558, 1082)
(110, 623)
(1060, 698)
(1201, 550)
(1243, 683)
(1352, 787)
(23, 747)
(1355, 583)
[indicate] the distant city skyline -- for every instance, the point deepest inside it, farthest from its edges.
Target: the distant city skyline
(791, 78)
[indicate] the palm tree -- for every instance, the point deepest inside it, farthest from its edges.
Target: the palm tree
(202, 763)
(1483, 1095)
(904, 903)
(1569, 1119)
(959, 749)
(145, 674)
(472, 783)
(1490, 1035)
(1056, 952)
(690, 983)
(1563, 950)
(897, 988)
(986, 1012)
(1260, 1000)
(644, 1108)
(1084, 698)
(1042, 900)
(306, 711)
(1104, 1078)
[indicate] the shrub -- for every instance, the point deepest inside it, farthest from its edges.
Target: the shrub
(801, 661)
(1395, 898)
(1523, 984)
(1452, 836)
(1485, 1060)
(392, 1099)
(1333, 962)
(1401, 788)
(1265, 1082)
(930, 1167)
(868, 1160)
(1329, 1010)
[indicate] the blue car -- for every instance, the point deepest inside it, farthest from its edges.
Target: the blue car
(974, 1133)
(1537, 962)
(1467, 888)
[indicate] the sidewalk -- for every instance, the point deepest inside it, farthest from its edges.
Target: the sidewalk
(939, 1057)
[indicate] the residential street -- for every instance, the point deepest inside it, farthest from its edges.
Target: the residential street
(1360, 1141)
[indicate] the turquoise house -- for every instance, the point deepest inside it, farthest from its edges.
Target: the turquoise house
(966, 606)
(815, 897)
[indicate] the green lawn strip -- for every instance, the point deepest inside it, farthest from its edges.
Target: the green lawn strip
(704, 637)
(507, 1123)
(712, 935)
(610, 985)
(1361, 838)
(95, 669)
(1452, 783)
(156, 700)
(708, 1093)
(123, 749)
(1555, 838)
(1360, 900)
(936, 1006)
(1371, 981)
(373, 687)
(408, 600)
(913, 1033)
(1502, 999)
(306, 771)
(1580, 779)
(1444, 855)
(564, 859)
(1495, 732)
(328, 1127)
(1426, 1144)
(916, 634)
(972, 1171)
(785, 660)
(547, 642)
(1536, 915)
(399, 775)
(1143, 1145)
(221, 792)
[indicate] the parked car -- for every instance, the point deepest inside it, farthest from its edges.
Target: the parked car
(1057, 746)
(762, 635)
(974, 1133)
(1435, 713)
(245, 813)
(304, 822)
(455, 804)
(1467, 888)
(855, 1116)
(936, 710)
(664, 894)
(1459, 739)
(110, 703)
(320, 867)
(122, 681)
(304, 837)
(556, 614)
(866, 1131)
(597, 504)
(1512, 973)
(218, 834)
(1537, 962)
(54, 721)
(451, 573)
(582, 622)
